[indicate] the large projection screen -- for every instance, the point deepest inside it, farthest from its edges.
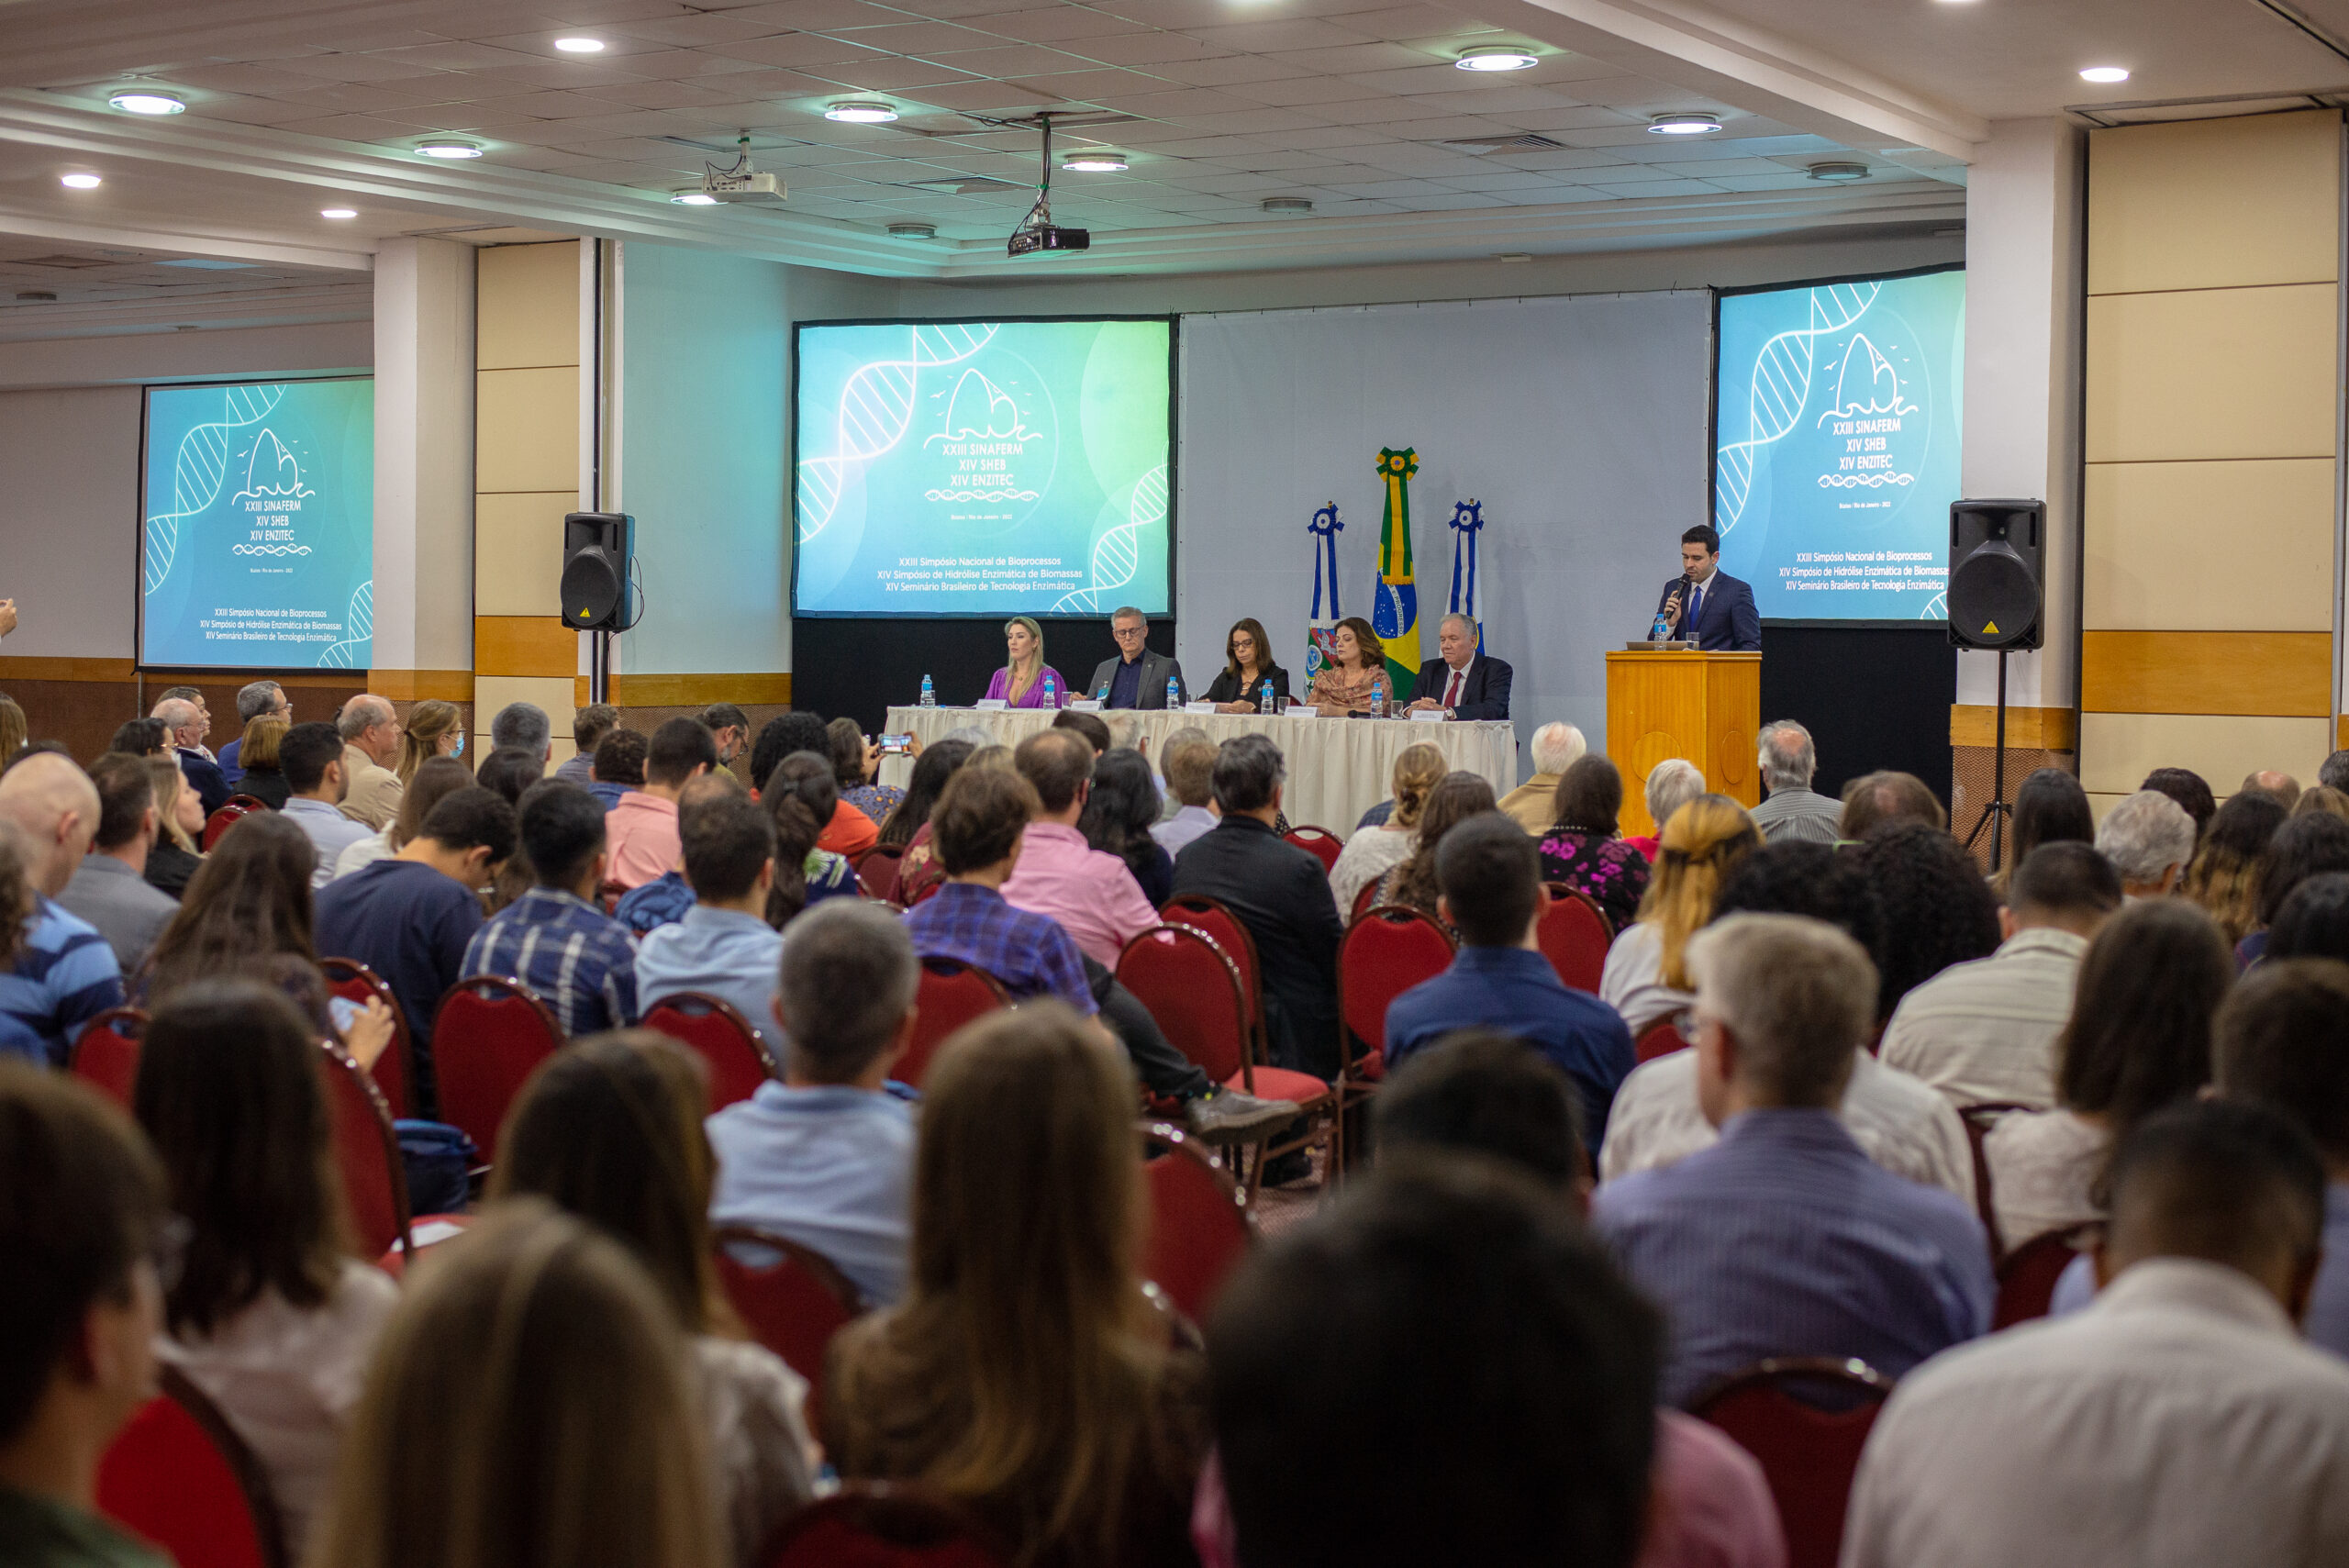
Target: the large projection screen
(983, 468)
(1835, 444)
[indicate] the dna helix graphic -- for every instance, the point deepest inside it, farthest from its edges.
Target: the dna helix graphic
(351, 653)
(1117, 555)
(876, 409)
(1779, 388)
(197, 470)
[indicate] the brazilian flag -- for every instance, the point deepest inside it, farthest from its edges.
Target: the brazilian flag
(1395, 615)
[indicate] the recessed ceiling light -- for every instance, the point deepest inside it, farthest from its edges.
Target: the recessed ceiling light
(580, 46)
(860, 111)
(1495, 58)
(913, 231)
(693, 195)
(448, 148)
(1836, 172)
(1685, 125)
(80, 182)
(2105, 73)
(1096, 161)
(339, 213)
(1287, 205)
(144, 101)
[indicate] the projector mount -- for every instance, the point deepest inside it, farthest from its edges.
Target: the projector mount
(1037, 234)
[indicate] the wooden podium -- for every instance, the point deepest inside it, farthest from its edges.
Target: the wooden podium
(1665, 703)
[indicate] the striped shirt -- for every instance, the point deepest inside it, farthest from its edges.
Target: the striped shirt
(1984, 1032)
(570, 954)
(64, 975)
(1796, 816)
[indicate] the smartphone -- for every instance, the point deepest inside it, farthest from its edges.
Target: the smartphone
(897, 744)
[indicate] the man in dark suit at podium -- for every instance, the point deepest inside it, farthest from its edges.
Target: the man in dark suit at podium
(1716, 608)
(1465, 684)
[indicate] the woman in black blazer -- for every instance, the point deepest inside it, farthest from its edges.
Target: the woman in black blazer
(1247, 665)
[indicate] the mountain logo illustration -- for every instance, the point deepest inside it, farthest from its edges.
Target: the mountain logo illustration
(270, 470)
(1867, 384)
(979, 410)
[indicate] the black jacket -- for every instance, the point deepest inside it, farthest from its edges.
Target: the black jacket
(1483, 695)
(1226, 686)
(1282, 894)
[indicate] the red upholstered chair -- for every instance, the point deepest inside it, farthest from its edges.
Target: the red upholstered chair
(738, 1059)
(870, 1524)
(1979, 1119)
(877, 873)
(1365, 901)
(1806, 1419)
(178, 1475)
(366, 1151)
(1383, 953)
(235, 809)
(105, 1053)
(393, 1071)
(488, 1037)
(1209, 914)
(2027, 1275)
(1661, 1039)
(949, 995)
(1198, 1228)
(1324, 845)
(1574, 936)
(791, 1298)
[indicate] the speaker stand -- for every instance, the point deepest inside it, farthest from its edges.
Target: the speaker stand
(599, 666)
(1995, 814)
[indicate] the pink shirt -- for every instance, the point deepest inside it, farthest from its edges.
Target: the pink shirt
(1715, 1512)
(641, 843)
(1091, 894)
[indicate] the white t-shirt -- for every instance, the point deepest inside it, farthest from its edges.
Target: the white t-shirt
(1633, 981)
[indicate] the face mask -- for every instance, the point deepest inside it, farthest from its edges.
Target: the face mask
(458, 749)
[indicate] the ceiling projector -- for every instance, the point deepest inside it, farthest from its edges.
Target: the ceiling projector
(1037, 235)
(740, 184)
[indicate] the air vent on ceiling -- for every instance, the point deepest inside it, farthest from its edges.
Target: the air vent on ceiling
(971, 185)
(63, 262)
(1527, 142)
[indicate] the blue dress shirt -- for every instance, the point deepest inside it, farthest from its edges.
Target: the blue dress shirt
(1028, 952)
(1785, 1240)
(565, 952)
(64, 975)
(828, 1166)
(725, 952)
(1517, 993)
(1125, 686)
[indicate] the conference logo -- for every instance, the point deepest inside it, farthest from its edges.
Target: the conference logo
(983, 436)
(271, 499)
(1867, 415)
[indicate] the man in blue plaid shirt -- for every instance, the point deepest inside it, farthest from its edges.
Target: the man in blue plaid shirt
(968, 921)
(555, 939)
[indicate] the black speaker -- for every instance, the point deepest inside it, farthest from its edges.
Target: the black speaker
(597, 547)
(1996, 559)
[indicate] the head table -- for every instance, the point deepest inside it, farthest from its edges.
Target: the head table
(1338, 768)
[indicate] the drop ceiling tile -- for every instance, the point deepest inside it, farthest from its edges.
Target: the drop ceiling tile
(349, 127)
(1374, 112)
(926, 38)
(885, 74)
(256, 111)
(1428, 162)
(562, 74)
(972, 11)
(1500, 180)
(1350, 57)
(699, 28)
(1784, 179)
(589, 13)
(452, 56)
(1429, 76)
(557, 106)
(1144, 49)
(1451, 201)
(800, 51)
(1098, 85)
(358, 97)
(1446, 128)
(236, 77)
(1636, 188)
(1563, 158)
(1005, 62)
(355, 67)
(659, 95)
(1183, 101)
(1589, 116)
(1275, 34)
(1491, 99)
(1061, 23)
(1223, 70)
(1714, 168)
(1250, 122)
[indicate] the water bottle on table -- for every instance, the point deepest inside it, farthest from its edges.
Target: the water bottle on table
(1174, 694)
(1266, 705)
(1661, 630)
(928, 693)
(1052, 694)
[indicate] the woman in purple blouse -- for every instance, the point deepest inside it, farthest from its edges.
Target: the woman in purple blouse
(1583, 847)
(1021, 681)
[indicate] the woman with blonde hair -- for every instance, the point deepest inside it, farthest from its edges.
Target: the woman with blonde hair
(1021, 681)
(261, 777)
(1355, 676)
(1368, 855)
(1027, 1374)
(1457, 797)
(179, 818)
(531, 1406)
(610, 1129)
(434, 729)
(1646, 977)
(2231, 862)
(13, 731)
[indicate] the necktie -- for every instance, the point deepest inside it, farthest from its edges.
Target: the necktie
(1696, 608)
(1452, 690)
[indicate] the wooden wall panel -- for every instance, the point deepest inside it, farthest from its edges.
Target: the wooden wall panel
(2278, 672)
(518, 553)
(2230, 372)
(2118, 750)
(526, 431)
(2216, 203)
(2258, 535)
(528, 305)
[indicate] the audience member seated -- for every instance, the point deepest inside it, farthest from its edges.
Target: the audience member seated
(1788, 760)
(978, 827)
(109, 888)
(1025, 1373)
(1490, 875)
(1646, 975)
(174, 857)
(1093, 896)
(1457, 796)
(184, 724)
(2179, 1419)
(411, 919)
(1120, 812)
(82, 1217)
(2050, 808)
(1188, 759)
(663, 901)
(1873, 800)
(511, 770)
(618, 766)
(2314, 920)
(533, 1402)
(250, 902)
(2149, 839)
(255, 699)
(257, 772)
(1372, 852)
(370, 745)
(63, 973)
(1984, 1031)
(722, 944)
(856, 764)
(589, 725)
(2323, 798)
(143, 738)
(1898, 1122)
(2302, 848)
(267, 1315)
(312, 756)
(523, 726)
(433, 731)
(610, 1129)
(781, 737)
(2191, 792)
(1454, 1313)
(1784, 1240)
(730, 727)
(1281, 894)
(801, 797)
(1671, 785)
(2139, 1040)
(907, 828)
(554, 939)
(2229, 865)
(1091, 727)
(2283, 786)
(432, 783)
(1584, 845)
(1936, 910)
(15, 915)
(1532, 805)
(642, 830)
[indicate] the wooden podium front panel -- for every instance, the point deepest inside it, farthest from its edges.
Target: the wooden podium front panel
(1700, 707)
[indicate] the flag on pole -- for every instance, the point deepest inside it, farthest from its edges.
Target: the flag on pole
(1467, 522)
(1396, 616)
(1325, 528)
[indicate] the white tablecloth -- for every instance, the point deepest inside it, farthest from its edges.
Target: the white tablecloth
(1338, 768)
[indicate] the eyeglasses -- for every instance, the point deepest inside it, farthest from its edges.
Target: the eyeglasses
(1123, 632)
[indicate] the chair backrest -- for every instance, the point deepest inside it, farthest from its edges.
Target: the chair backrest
(791, 1298)
(876, 870)
(366, 1151)
(871, 1524)
(1191, 987)
(1322, 844)
(393, 1071)
(105, 1053)
(178, 1475)
(948, 995)
(2027, 1275)
(1806, 1419)
(1979, 1119)
(486, 1038)
(1199, 1230)
(1391, 948)
(738, 1059)
(1574, 937)
(220, 821)
(1209, 914)
(1661, 1039)
(1365, 901)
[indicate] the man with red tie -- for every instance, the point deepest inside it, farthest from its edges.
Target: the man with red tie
(1464, 683)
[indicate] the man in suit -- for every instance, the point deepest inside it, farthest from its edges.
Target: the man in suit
(1137, 676)
(1464, 683)
(1716, 608)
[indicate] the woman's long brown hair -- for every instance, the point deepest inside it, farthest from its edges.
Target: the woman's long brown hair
(250, 899)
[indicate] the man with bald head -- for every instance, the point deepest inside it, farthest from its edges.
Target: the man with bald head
(64, 974)
(184, 725)
(370, 745)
